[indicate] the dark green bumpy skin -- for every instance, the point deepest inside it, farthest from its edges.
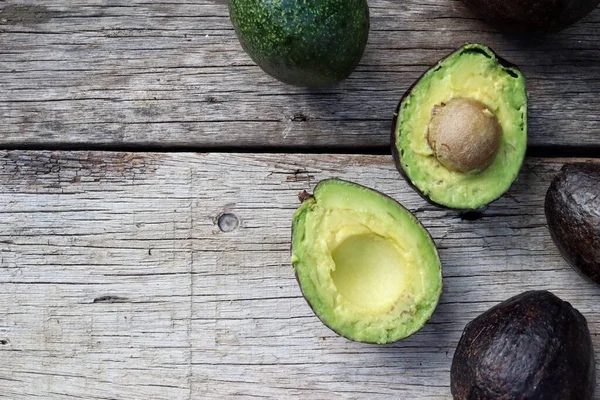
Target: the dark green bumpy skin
(310, 43)
(532, 346)
(532, 15)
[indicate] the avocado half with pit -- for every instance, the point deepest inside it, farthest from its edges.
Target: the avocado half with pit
(366, 266)
(532, 346)
(532, 15)
(460, 132)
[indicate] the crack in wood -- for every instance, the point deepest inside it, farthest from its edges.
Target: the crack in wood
(110, 299)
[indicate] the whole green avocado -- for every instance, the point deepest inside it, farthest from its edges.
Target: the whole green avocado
(311, 43)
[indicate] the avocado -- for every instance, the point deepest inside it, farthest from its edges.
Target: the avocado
(573, 214)
(533, 15)
(460, 132)
(532, 346)
(366, 266)
(311, 43)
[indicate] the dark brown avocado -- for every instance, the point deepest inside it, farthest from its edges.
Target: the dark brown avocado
(573, 214)
(532, 15)
(532, 346)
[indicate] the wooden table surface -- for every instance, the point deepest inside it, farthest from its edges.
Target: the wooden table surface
(128, 128)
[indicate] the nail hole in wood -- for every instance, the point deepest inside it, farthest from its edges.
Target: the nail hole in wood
(228, 222)
(299, 117)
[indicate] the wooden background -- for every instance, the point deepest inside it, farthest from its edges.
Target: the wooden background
(166, 74)
(129, 128)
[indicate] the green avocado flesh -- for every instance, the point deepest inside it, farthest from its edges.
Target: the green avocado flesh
(312, 43)
(367, 267)
(472, 72)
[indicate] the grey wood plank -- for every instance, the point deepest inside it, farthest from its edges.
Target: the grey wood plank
(172, 74)
(117, 282)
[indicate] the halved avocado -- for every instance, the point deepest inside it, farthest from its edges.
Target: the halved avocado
(531, 346)
(460, 132)
(367, 267)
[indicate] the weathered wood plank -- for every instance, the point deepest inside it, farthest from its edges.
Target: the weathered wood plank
(116, 281)
(171, 73)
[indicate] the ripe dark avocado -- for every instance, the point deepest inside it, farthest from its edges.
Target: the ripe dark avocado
(532, 346)
(573, 215)
(311, 43)
(460, 132)
(366, 266)
(532, 15)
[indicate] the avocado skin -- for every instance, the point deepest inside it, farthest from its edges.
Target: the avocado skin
(398, 157)
(572, 212)
(303, 196)
(532, 346)
(310, 43)
(539, 16)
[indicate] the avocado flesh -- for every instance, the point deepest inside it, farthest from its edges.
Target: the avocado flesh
(310, 43)
(472, 72)
(367, 267)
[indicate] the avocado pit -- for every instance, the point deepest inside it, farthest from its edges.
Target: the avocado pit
(464, 135)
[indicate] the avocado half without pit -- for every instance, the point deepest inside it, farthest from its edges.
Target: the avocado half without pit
(460, 133)
(532, 346)
(367, 267)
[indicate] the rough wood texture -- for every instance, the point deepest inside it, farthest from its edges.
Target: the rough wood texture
(172, 74)
(117, 282)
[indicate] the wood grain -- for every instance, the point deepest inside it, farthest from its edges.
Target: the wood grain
(116, 281)
(126, 74)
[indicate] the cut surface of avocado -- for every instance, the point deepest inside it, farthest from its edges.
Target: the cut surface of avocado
(472, 73)
(367, 267)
